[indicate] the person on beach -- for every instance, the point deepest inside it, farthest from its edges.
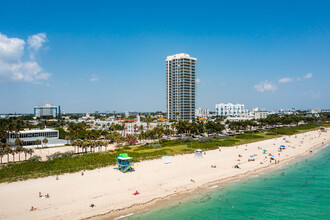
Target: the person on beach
(33, 209)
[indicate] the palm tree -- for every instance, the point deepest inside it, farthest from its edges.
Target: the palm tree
(18, 142)
(92, 146)
(74, 144)
(18, 150)
(13, 152)
(141, 128)
(45, 141)
(105, 144)
(67, 138)
(85, 145)
(135, 129)
(141, 136)
(30, 151)
(25, 151)
(119, 139)
(173, 127)
(8, 151)
(80, 144)
(148, 120)
(2, 153)
(99, 144)
(37, 142)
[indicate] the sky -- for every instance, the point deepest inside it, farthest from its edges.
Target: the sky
(110, 55)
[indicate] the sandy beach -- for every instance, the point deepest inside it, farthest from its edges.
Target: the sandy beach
(111, 191)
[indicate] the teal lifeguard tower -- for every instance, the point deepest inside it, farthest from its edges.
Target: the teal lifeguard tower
(124, 163)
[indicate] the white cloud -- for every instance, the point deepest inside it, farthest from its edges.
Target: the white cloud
(308, 75)
(36, 41)
(13, 68)
(94, 78)
(198, 80)
(11, 49)
(285, 80)
(265, 86)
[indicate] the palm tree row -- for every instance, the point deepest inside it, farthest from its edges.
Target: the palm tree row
(5, 149)
(84, 145)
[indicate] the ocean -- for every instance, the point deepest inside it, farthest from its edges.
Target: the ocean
(298, 190)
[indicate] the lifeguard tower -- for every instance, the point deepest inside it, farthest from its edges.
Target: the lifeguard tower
(198, 153)
(124, 163)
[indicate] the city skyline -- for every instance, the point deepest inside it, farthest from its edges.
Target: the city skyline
(259, 54)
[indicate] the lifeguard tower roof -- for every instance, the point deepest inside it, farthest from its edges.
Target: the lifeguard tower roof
(124, 156)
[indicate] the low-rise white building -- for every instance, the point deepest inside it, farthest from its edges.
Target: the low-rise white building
(30, 136)
(230, 109)
(202, 112)
(256, 114)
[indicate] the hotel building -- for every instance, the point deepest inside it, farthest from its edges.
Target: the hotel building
(230, 109)
(180, 86)
(47, 110)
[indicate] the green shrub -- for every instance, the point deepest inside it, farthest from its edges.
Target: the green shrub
(221, 137)
(60, 155)
(156, 146)
(162, 141)
(205, 139)
(188, 139)
(35, 158)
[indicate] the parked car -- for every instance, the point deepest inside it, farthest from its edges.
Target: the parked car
(133, 141)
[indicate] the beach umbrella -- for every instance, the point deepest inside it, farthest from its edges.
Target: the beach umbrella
(272, 156)
(282, 146)
(251, 156)
(265, 150)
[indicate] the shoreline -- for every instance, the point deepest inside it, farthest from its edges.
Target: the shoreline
(209, 186)
(159, 184)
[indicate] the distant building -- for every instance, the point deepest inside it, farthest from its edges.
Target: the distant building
(107, 112)
(130, 113)
(29, 137)
(230, 109)
(115, 112)
(202, 112)
(257, 114)
(316, 111)
(180, 86)
(47, 110)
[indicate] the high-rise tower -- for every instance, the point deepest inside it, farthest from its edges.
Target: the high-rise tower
(180, 86)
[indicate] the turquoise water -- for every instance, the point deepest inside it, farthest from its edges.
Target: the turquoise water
(300, 190)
